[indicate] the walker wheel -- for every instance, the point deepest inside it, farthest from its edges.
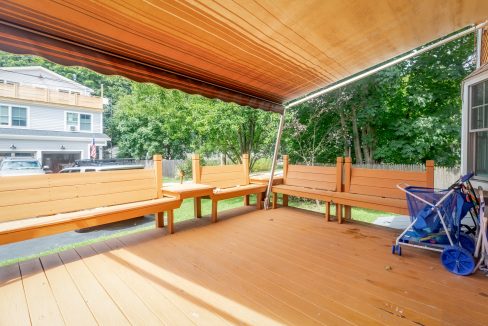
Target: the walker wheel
(396, 249)
(457, 260)
(467, 242)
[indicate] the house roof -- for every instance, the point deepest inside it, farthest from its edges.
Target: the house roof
(37, 75)
(477, 72)
(258, 53)
(19, 132)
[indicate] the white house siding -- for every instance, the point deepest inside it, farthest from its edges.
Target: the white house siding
(52, 118)
(38, 146)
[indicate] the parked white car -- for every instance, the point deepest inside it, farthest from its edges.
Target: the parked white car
(20, 166)
(83, 169)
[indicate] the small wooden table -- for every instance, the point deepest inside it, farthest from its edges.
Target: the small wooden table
(189, 190)
(263, 179)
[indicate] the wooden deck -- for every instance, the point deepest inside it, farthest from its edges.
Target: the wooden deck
(284, 266)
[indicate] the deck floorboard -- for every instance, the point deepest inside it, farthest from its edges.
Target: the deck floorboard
(283, 266)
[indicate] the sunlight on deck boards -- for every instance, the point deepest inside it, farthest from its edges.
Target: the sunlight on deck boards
(284, 266)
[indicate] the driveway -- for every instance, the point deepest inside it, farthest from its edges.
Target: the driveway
(40, 245)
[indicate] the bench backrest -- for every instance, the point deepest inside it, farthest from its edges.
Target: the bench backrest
(315, 177)
(222, 176)
(382, 183)
(49, 194)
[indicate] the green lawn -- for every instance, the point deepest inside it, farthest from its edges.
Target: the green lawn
(358, 214)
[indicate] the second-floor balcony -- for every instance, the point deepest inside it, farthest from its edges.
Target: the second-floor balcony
(38, 94)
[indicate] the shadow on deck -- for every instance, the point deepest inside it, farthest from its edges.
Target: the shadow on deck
(284, 266)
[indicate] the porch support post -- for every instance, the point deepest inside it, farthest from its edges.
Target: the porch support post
(275, 157)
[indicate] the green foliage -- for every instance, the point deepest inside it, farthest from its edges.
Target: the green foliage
(152, 120)
(155, 120)
(408, 113)
(262, 165)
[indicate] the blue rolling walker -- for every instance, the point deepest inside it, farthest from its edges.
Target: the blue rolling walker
(436, 217)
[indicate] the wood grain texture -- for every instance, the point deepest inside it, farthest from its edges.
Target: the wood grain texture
(377, 188)
(68, 202)
(257, 53)
(270, 267)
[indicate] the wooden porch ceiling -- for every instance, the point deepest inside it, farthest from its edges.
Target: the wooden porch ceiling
(284, 266)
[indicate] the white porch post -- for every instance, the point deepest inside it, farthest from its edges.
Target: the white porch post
(275, 157)
(100, 152)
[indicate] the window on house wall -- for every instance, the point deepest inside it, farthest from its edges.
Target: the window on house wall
(78, 121)
(85, 122)
(13, 116)
(4, 115)
(72, 119)
(479, 128)
(19, 117)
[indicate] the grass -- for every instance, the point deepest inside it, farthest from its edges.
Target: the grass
(358, 214)
(185, 212)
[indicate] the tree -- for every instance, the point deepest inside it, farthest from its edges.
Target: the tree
(233, 130)
(407, 113)
(153, 120)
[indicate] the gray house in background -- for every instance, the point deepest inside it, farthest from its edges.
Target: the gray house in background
(48, 116)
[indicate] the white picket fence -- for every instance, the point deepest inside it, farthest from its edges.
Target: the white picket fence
(443, 176)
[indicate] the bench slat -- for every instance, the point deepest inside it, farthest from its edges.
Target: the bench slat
(51, 207)
(101, 189)
(23, 182)
(388, 174)
(312, 176)
(390, 192)
(385, 183)
(311, 184)
(226, 183)
(219, 169)
(312, 169)
(66, 179)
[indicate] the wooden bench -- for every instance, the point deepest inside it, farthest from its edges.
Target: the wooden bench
(230, 181)
(376, 188)
(312, 182)
(40, 205)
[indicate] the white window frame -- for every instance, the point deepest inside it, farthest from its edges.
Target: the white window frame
(467, 146)
(10, 116)
(68, 91)
(66, 127)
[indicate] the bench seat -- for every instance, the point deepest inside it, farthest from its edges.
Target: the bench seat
(377, 188)
(311, 182)
(29, 228)
(41, 205)
(392, 205)
(304, 192)
(230, 181)
(239, 191)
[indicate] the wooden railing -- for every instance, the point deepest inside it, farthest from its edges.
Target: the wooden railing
(37, 94)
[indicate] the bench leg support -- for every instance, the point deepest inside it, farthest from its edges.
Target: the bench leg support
(171, 229)
(339, 213)
(214, 210)
(327, 211)
(259, 200)
(246, 200)
(197, 206)
(285, 200)
(159, 219)
(347, 210)
(274, 198)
